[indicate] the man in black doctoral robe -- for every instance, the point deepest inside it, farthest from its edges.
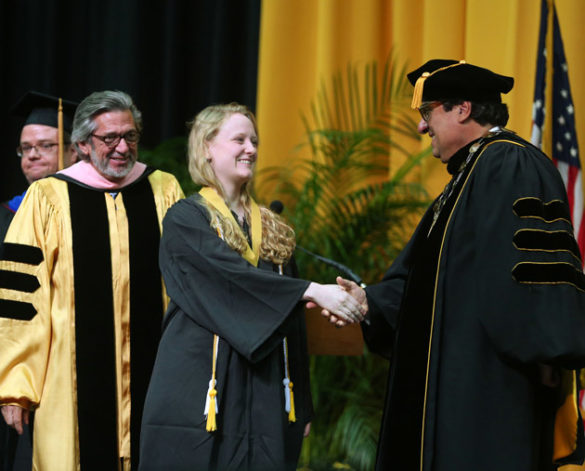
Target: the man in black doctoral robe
(482, 315)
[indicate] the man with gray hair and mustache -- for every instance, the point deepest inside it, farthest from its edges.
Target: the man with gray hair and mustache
(81, 299)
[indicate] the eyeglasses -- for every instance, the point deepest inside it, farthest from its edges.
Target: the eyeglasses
(112, 140)
(425, 109)
(44, 148)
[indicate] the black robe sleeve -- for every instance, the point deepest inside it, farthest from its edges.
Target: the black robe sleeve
(385, 299)
(529, 286)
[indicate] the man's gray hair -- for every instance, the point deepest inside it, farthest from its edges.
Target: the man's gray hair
(95, 104)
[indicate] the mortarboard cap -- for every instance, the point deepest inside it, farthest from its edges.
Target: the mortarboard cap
(443, 79)
(38, 108)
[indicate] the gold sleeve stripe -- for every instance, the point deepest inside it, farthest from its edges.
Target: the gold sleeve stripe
(21, 253)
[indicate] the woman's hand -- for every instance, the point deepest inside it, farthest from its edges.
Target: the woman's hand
(352, 288)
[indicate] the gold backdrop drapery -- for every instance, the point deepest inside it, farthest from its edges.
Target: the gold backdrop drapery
(303, 42)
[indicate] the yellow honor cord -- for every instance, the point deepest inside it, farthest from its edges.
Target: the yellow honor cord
(291, 415)
(211, 403)
(252, 254)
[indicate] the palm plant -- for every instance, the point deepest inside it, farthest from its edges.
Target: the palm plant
(353, 200)
(345, 201)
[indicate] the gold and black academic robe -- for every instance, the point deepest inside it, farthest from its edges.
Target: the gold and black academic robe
(213, 290)
(81, 302)
(473, 312)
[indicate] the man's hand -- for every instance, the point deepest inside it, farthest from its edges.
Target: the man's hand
(356, 291)
(15, 417)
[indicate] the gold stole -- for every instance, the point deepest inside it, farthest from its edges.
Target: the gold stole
(252, 254)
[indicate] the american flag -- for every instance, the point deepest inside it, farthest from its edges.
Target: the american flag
(555, 133)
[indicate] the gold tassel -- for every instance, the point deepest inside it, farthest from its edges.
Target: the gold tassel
(211, 423)
(417, 94)
(210, 400)
(60, 135)
(291, 415)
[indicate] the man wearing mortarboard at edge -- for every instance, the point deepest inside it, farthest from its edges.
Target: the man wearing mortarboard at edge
(41, 154)
(482, 315)
(81, 295)
(39, 149)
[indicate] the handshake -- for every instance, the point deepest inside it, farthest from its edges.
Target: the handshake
(343, 303)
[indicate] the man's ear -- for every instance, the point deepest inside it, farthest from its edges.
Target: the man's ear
(464, 111)
(85, 148)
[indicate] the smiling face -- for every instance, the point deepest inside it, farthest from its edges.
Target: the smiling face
(38, 162)
(443, 127)
(112, 162)
(233, 151)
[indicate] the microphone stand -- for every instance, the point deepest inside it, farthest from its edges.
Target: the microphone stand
(339, 266)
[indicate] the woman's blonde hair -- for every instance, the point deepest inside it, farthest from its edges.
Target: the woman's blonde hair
(278, 238)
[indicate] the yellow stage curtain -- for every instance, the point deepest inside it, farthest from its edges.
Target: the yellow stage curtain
(303, 42)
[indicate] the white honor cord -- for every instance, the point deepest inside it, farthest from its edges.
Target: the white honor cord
(211, 386)
(286, 380)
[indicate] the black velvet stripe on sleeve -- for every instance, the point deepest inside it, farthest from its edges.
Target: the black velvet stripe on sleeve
(533, 239)
(21, 253)
(549, 273)
(18, 281)
(536, 208)
(17, 310)
(94, 330)
(146, 306)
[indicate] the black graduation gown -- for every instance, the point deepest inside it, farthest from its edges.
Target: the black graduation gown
(214, 290)
(468, 312)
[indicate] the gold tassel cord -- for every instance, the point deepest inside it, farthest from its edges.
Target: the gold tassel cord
(211, 409)
(418, 91)
(60, 134)
(211, 425)
(291, 415)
